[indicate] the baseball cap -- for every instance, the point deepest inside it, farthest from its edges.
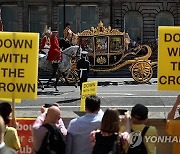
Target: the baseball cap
(139, 112)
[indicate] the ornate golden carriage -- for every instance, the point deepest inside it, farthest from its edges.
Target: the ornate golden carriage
(108, 51)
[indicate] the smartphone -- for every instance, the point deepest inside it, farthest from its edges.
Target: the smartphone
(47, 105)
(122, 111)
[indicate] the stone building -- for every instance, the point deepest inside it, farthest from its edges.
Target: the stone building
(140, 18)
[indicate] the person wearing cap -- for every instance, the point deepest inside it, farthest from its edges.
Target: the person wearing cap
(83, 68)
(54, 54)
(139, 116)
(45, 43)
(173, 124)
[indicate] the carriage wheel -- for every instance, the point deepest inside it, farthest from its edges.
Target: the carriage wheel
(142, 72)
(72, 76)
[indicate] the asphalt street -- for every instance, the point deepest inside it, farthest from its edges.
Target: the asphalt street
(114, 93)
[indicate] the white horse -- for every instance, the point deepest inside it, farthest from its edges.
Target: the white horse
(63, 66)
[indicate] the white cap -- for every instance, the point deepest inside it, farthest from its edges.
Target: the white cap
(84, 52)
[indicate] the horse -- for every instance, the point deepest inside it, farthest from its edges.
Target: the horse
(63, 66)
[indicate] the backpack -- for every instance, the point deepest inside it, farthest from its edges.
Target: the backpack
(104, 144)
(140, 148)
(53, 142)
(118, 146)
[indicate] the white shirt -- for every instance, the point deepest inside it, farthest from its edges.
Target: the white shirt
(78, 138)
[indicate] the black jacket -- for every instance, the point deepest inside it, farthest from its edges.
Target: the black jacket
(83, 67)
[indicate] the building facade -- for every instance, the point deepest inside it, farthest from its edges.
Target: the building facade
(140, 18)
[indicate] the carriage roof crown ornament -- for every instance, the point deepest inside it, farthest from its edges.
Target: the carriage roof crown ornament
(100, 30)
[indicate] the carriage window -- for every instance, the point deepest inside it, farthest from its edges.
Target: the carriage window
(163, 18)
(116, 43)
(87, 44)
(37, 18)
(101, 44)
(10, 18)
(134, 25)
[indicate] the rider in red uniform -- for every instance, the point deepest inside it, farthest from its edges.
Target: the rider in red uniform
(45, 39)
(45, 43)
(54, 53)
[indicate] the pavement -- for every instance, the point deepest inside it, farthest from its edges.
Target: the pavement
(20, 112)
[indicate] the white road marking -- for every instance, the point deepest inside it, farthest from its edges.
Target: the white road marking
(113, 106)
(123, 95)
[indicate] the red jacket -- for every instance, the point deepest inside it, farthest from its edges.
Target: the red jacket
(44, 42)
(54, 51)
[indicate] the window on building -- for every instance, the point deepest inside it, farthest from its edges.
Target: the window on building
(80, 17)
(71, 15)
(89, 17)
(10, 17)
(37, 18)
(163, 18)
(133, 24)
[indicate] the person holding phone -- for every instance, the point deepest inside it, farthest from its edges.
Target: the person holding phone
(40, 119)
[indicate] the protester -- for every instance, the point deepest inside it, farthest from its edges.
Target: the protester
(45, 43)
(83, 68)
(139, 116)
(11, 138)
(39, 131)
(103, 140)
(79, 129)
(173, 124)
(3, 148)
(68, 34)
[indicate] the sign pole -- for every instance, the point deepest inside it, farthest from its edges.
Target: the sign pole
(13, 113)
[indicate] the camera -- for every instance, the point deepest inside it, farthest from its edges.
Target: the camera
(47, 105)
(122, 111)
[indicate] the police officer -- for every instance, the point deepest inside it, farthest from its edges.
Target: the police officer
(83, 68)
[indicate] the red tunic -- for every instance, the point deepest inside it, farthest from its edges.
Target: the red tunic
(54, 51)
(44, 42)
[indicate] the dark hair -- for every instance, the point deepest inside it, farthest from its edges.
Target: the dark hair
(68, 24)
(110, 121)
(92, 103)
(5, 111)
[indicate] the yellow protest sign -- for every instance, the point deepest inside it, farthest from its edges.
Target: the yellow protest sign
(88, 88)
(10, 100)
(18, 65)
(169, 58)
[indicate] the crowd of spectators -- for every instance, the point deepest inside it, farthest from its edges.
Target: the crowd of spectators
(96, 132)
